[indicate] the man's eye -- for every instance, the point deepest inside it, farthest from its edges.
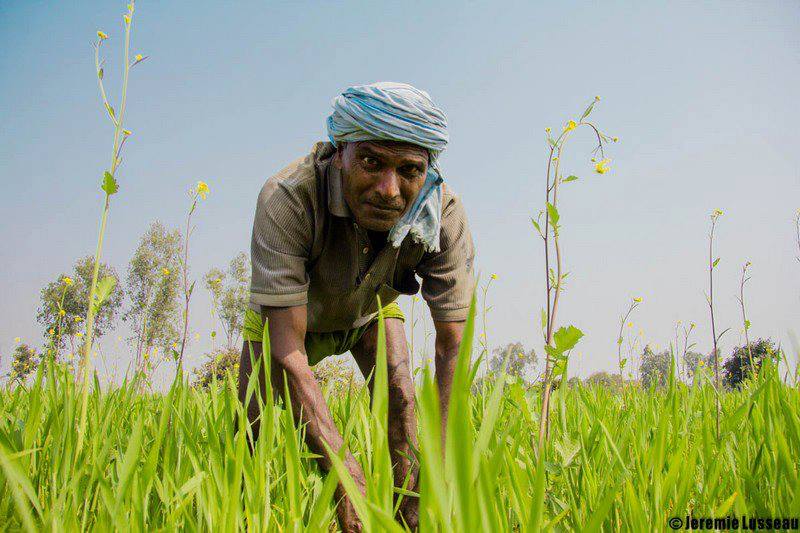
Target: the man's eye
(411, 172)
(370, 161)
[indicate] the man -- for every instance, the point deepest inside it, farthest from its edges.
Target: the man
(355, 219)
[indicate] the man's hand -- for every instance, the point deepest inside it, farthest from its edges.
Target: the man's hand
(448, 340)
(287, 330)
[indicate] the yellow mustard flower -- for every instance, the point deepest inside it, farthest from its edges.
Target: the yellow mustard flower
(79, 334)
(165, 271)
(547, 130)
(78, 318)
(61, 312)
(571, 125)
(596, 98)
(126, 18)
(615, 139)
(67, 280)
(138, 57)
(102, 35)
(17, 339)
(601, 167)
(202, 189)
(174, 345)
(638, 299)
(716, 213)
(51, 331)
(127, 132)
(630, 324)
(494, 276)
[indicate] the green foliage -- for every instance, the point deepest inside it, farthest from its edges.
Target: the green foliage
(152, 285)
(335, 376)
(217, 366)
(738, 368)
(24, 360)
(564, 340)
(73, 298)
(174, 460)
(229, 296)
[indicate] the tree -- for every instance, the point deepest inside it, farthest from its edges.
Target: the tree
(690, 362)
(65, 303)
(24, 360)
(519, 360)
(152, 282)
(229, 296)
(737, 367)
(605, 379)
(218, 364)
(655, 367)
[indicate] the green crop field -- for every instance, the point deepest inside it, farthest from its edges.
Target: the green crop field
(625, 459)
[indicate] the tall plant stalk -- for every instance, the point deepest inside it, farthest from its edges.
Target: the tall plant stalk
(712, 264)
(621, 364)
(109, 186)
(556, 360)
(196, 193)
(745, 322)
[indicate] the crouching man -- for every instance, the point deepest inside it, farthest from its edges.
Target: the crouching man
(360, 217)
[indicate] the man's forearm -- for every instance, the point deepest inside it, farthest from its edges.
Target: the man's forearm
(309, 407)
(445, 368)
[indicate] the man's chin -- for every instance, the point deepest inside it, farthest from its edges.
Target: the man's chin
(377, 223)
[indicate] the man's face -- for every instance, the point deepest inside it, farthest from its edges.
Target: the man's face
(380, 179)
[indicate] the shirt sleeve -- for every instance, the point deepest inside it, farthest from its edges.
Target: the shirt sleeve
(280, 248)
(447, 275)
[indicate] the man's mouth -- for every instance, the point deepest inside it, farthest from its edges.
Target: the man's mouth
(384, 210)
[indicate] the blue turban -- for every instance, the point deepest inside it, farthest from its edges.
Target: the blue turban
(388, 111)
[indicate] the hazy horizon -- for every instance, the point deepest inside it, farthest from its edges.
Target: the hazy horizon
(702, 97)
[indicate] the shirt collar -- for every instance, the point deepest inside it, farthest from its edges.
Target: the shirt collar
(336, 202)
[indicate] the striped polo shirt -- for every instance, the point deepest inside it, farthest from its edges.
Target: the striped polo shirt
(307, 249)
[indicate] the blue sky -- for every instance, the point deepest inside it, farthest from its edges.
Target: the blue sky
(702, 97)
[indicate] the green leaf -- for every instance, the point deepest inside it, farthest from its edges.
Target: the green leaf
(110, 185)
(104, 289)
(552, 213)
(623, 363)
(536, 225)
(110, 111)
(715, 263)
(746, 324)
(544, 318)
(569, 178)
(100, 74)
(588, 110)
(566, 338)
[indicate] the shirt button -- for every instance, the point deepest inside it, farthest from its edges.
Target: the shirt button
(365, 251)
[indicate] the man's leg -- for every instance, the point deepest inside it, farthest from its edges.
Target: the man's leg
(402, 419)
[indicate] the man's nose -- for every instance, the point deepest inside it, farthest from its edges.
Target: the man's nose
(388, 186)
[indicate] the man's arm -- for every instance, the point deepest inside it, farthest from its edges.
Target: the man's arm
(287, 329)
(448, 340)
